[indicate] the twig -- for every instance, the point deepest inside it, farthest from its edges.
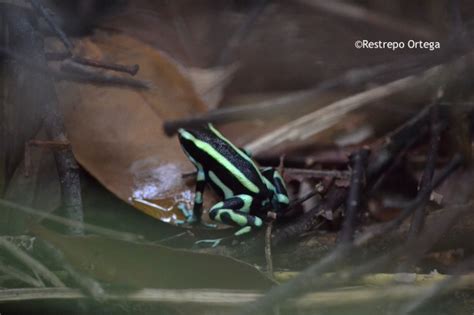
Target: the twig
(317, 173)
(43, 144)
(396, 142)
(32, 44)
(311, 277)
(377, 19)
(384, 279)
(294, 101)
(201, 296)
(86, 283)
(31, 262)
(426, 179)
(68, 169)
(455, 162)
(268, 249)
(83, 74)
(298, 285)
(301, 171)
(242, 31)
(418, 87)
(359, 164)
(132, 69)
(20, 275)
(67, 222)
(447, 284)
(318, 300)
(334, 198)
(329, 115)
(38, 6)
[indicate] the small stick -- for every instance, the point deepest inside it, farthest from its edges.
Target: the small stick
(311, 278)
(38, 6)
(76, 74)
(32, 263)
(67, 222)
(20, 275)
(450, 282)
(359, 166)
(87, 75)
(453, 165)
(50, 144)
(86, 283)
(301, 171)
(358, 13)
(292, 101)
(268, 249)
(326, 117)
(132, 69)
(318, 173)
(427, 177)
(242, 31)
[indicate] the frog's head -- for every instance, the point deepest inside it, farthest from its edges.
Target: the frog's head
(187, 139)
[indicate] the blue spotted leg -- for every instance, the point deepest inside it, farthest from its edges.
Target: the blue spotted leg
(235, 211)
(195, 216)
(276, 184)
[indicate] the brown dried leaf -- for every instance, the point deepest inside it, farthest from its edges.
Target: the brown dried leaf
(116, 133)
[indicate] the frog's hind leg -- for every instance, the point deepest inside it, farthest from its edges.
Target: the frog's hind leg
(235, 211)
(277, 185)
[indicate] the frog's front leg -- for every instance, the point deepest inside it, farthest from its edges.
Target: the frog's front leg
(277, 185)
(235, 211)
(197, 207)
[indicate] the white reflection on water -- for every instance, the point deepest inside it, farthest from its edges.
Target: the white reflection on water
(152, 180)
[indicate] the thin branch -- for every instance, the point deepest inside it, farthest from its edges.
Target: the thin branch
(377, 19)
(83, 74)
(317, 173)
(311, 277)
(316, 300)
(326, 117)
(85, 282)
(242, 31)
(398, 141)
(294, 101)
(76, 73)
(130, 69)
(428, 173)
(304, 223)
(419, 88)
(201, 296)
(67, 222)
(20, 275)
(38, 6)
(359, 165)
(32, 263)
(447, 284)
(453, 165)
(300, 171)
(268, 249)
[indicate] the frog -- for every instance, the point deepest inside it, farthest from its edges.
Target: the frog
(249, 193)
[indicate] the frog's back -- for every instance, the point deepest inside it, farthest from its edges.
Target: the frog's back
(229, 170)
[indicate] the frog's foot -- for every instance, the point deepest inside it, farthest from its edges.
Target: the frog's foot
(208, 243)
(190, 218)
(243, 231)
